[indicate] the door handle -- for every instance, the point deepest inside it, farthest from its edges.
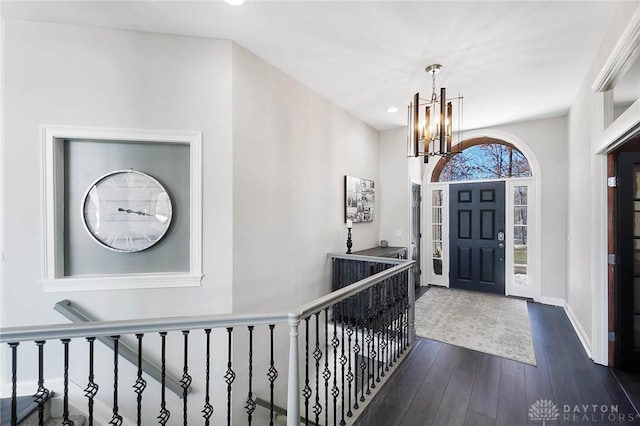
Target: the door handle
(500, 235)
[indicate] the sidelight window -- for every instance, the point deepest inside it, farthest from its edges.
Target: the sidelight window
(520, 241)
(436, 226)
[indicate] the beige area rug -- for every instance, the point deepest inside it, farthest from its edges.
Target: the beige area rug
(496, 325)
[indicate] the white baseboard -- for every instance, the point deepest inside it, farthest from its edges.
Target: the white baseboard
(551, 301)
(586, 343)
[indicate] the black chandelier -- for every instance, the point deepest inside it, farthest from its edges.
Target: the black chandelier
(430, 121)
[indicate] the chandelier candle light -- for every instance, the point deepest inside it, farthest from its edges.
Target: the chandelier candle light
(430, 121)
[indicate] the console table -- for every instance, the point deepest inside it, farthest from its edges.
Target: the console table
(395, 252)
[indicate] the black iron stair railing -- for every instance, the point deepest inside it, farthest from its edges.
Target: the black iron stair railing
(74, 313)
(352, 338)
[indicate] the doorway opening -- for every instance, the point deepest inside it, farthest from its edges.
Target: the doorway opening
(626, 241)
(481, 211)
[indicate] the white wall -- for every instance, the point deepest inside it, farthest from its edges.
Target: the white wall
(82, 76)
(548, 140)
(395, 205)
(291, 151)
(581, 202)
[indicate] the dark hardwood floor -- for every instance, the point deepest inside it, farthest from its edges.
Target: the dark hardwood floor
(441, 384)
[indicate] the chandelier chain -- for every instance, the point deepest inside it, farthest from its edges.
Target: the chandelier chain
(433, 87)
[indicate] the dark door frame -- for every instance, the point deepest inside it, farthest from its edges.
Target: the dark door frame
(623, 276)
(416, 233)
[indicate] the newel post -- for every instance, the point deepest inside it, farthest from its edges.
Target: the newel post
(293, 389)
(412, 305)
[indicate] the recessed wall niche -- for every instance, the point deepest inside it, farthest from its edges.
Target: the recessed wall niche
(74, 158)
(88, 160)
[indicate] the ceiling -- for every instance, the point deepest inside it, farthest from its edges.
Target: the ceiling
(512, 60)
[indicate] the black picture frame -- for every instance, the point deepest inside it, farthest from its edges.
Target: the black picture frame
(359, 199)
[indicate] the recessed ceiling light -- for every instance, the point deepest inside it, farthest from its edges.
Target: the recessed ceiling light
(392, 109)
(234, 2)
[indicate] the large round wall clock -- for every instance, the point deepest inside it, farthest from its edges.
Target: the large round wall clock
(126, 211)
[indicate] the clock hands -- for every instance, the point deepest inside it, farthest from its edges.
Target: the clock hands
(140, 213)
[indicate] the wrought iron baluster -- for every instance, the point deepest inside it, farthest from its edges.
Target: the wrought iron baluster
(140, 383)
(378, 329)
(400, 318)
(230, 375)
(250, 405)
(379, 355)
(208, 408)
(403, 323)
(65, 401)
(383, 344)
(390, 325)
(317, 355)
(42, 394)
(326, 374)
(92, 388)
(164, 415)
(343, 358)
(394, 315)
(116, 419)
(363, 365)
(402, 305)
(369, 341)
(306, 392)
(406, 308)
(186, 379)
(349, 371)
(356, 346)
(272, 374)
(394, 323)
(14, 382)
(335, 392)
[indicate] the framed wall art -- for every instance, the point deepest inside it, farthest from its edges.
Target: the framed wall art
(359, 199)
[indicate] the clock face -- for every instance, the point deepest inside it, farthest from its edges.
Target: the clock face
(126, 211)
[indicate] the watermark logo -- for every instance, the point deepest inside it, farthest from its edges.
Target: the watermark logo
(544, 410)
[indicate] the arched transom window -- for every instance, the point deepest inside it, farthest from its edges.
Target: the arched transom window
(482, 159)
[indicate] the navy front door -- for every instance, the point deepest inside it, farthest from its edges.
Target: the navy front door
(477, 236)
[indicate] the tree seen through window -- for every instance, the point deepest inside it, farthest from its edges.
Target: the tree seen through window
(486, 161)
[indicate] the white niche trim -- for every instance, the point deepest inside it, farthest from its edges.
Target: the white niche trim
(52, 258)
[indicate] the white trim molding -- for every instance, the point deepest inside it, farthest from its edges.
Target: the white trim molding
(622, 57)
(584, 338)
(52, 269)
(608, 134)
(599, 344)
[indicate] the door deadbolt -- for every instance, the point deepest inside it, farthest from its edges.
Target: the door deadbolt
(501, 235)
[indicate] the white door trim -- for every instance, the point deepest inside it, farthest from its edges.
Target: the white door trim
(607, 136)
(535, 228)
